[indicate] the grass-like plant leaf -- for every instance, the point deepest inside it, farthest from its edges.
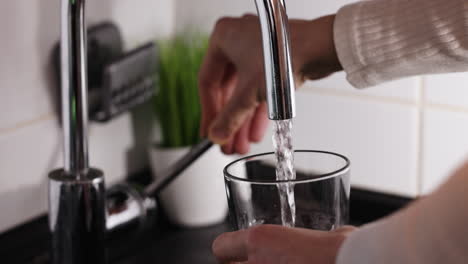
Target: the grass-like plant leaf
(177, 101)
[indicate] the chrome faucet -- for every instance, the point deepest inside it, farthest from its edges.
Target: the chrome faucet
(277, 58)
(77, 214)
(81, 212)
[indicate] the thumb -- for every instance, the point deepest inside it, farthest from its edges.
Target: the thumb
(233, 115)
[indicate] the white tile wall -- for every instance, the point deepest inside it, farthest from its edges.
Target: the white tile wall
(27, 154)
(30, 140)
(445, 141)
(141, 20)
(23, 72)
(404, 90)
(447, 89)
(115, 148)
(445, 145)
(379, 138)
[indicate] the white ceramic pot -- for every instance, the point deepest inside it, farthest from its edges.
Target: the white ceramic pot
(197, 197)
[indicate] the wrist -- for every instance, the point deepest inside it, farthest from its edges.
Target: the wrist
(331, 52)
(313, 48)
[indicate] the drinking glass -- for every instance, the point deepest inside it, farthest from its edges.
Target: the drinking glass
(321, 190)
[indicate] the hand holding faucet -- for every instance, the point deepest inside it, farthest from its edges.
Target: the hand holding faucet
(232, 83)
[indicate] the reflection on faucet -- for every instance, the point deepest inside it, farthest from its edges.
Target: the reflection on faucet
(74, 85)
(277, 56)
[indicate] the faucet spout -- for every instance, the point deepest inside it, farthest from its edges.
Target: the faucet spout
(277, 58)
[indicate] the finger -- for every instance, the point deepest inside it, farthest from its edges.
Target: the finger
(211, 76)
(229, 81)
(250, 16)
(259, 123)
(233, 115)
(216, 98)
(227, 147)
(242, 142)
(231, 247)
(229, 84)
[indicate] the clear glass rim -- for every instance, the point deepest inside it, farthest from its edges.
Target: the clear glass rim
(319, 177)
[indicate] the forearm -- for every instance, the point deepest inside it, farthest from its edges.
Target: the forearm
(430, 231)
(382, 40)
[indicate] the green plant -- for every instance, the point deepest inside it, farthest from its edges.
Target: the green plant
(177, 101)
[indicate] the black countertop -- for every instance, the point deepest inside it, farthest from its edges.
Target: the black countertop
(166, 243)
(179, 246)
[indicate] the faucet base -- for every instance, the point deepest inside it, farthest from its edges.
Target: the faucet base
(77, 217)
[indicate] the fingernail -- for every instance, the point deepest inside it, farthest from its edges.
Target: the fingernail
(219, 136)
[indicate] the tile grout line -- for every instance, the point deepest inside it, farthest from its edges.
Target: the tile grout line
(420, 135)
(363, 97)
(27, 123)
(385, 99)
(446, 107)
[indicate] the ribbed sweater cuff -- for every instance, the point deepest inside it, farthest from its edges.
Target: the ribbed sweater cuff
(383, 40)
(345, 44)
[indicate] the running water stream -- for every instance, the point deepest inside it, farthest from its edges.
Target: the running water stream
(284, 152)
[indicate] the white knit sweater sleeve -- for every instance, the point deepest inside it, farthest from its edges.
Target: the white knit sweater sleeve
(432, 230)
(383, 40)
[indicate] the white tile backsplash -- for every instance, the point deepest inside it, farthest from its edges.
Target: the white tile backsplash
(26, 157)
(445, 145)
(143, 20)
(380, 139)
(120, 146)
(405, 90)
(23, 54)
(109, 146)
(447, 89)
(29, 152)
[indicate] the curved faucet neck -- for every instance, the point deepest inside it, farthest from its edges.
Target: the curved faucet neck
(277, 58)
